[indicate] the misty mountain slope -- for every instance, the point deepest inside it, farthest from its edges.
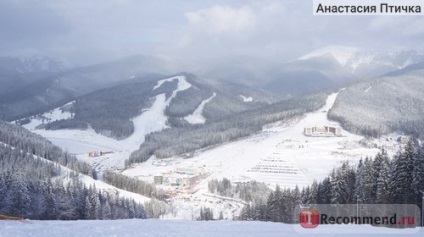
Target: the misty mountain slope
(233, 98)
(186, 140)
(22, 69)
(335, 66)
(66, 86)
(34, 62)
(384, 105)
(294, 83)
(110, 111)
(228, 99)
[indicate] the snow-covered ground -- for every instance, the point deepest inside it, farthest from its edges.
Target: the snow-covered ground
(246, 98)
(80, 142)
(56, 114)
(281, 154)
(197, 115)
(162, 228)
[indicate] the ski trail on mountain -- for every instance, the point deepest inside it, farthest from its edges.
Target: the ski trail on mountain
(197, 116)
(154, 118)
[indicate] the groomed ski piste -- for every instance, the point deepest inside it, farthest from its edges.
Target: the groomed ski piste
(151, 227)
(281, 154)
(80, 142)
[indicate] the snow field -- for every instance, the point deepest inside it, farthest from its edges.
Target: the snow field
(280, 154)
(51, 116)
(160, 228)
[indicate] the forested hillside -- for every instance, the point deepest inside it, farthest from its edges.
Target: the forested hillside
(57, 89)
(109, 111)
(178, 141)
(392, 103)
(33, 187)
(20, 138)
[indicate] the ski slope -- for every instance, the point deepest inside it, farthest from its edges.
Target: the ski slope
(296, 159)
(197, 116)
(152, 227)
(281, 154)
(80, 142)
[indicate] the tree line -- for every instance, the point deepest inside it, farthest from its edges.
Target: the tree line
(381, 180)
(399, 180)
(132, 184)
(24, 140)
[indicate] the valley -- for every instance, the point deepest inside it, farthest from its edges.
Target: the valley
(281, 154)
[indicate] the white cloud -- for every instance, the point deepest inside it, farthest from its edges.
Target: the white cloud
(222, 19)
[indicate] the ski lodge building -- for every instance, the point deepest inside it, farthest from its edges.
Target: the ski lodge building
(322, 131)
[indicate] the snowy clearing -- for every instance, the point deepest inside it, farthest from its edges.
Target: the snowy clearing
(154, 227)
(197, 115)
(246, 98)
(54, 115)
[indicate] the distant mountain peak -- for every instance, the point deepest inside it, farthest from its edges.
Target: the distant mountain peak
(25, 61)
(340, 53)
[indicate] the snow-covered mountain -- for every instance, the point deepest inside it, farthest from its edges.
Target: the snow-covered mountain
(33, 63)
(392, 103)
(196, 102)
(19, 70)
(336, 66)
(368, 64)
(54, 90)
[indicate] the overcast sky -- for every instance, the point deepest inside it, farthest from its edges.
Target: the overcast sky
(92, 31)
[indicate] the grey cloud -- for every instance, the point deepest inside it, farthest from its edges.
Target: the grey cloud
(23, 23)
(197, 31)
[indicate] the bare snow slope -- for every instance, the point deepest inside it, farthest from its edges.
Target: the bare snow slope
(140, 228)
(197, 115)
(80, 142)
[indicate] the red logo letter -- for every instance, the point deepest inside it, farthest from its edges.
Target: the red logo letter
(309, 218)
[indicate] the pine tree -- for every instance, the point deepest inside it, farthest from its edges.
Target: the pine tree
(343, 185)
(313, 194)
(324, 191)
(20, 199)
(383, 180)
(221, 215)
(275, 205)
(418, 172)
(368, 182)
(88, 214)
(400, 184)
(359, 183)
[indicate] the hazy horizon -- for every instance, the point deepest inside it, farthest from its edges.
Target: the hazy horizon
(196, 32)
